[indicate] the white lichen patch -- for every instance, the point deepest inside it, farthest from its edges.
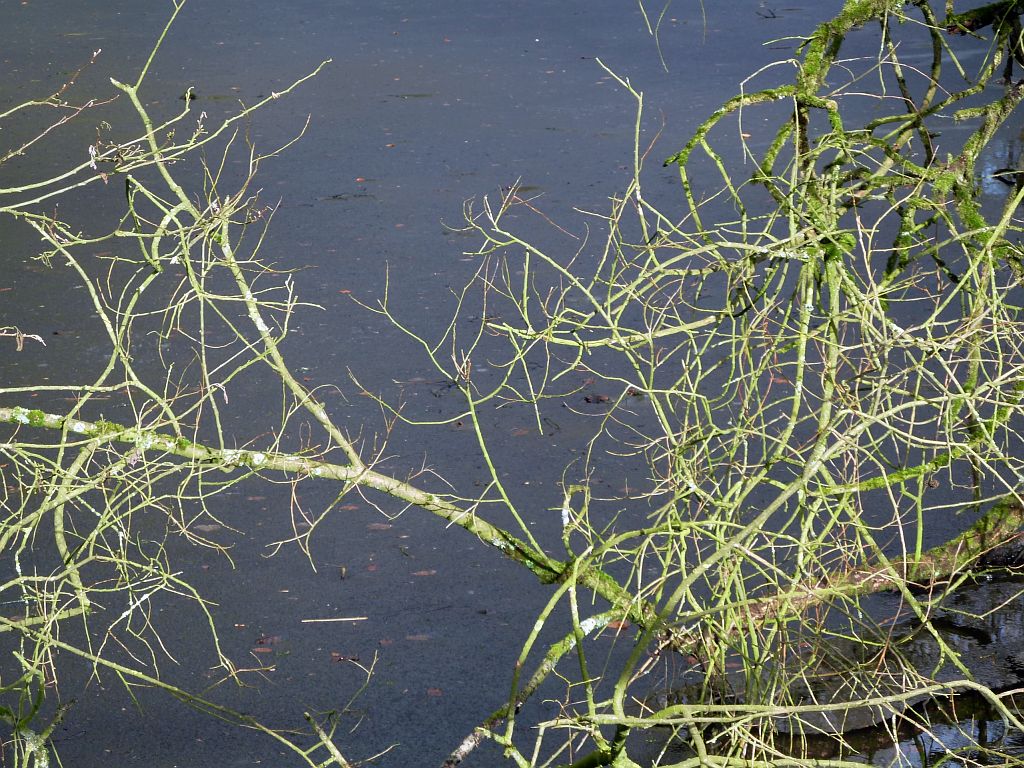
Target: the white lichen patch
(35, 746)
(258, 458)
(20, 415)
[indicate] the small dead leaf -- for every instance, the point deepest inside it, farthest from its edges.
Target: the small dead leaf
(262, 649)
(429, 572)
(520, 432)
(207, 527)
(386, 641)
(435, 692)
(336, 656)
(595, 398)
(623, 624)
(378, 526)
(417, 638)
(349, 507)
(372, 567)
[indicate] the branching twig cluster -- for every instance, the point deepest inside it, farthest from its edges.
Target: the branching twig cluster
(789, 382)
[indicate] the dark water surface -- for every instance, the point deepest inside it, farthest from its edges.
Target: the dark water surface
(425, 105)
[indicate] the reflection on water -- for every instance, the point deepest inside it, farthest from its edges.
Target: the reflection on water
(1001, 163)
(981, 623)
(984, 625)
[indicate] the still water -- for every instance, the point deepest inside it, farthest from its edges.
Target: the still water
(424, 106)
